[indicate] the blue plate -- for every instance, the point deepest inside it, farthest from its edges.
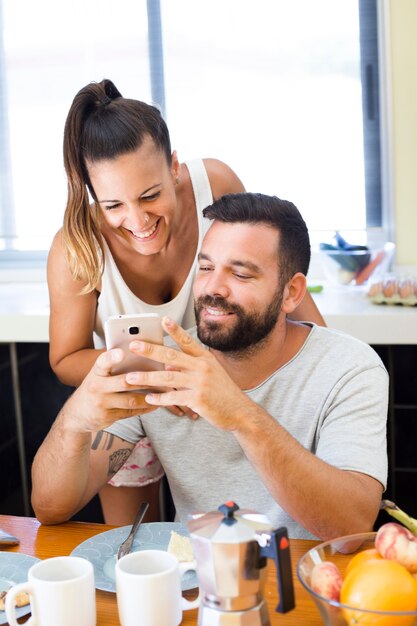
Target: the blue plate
(101, 550)
(14, 567)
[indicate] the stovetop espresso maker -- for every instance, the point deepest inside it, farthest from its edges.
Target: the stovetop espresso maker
(231, 547)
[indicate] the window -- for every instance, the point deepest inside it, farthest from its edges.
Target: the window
(276, 92)
(275, 89)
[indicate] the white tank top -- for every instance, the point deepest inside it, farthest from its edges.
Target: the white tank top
(117, 299)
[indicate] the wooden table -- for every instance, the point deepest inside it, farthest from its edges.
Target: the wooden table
(47, 541)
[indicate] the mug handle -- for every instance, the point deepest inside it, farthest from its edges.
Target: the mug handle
(10, 603)
(186, 605)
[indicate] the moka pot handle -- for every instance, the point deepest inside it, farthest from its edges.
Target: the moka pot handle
(278, 548)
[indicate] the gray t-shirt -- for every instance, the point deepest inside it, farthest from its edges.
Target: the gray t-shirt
(331, 396)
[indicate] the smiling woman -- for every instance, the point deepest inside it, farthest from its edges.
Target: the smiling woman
(133, 249)
(137, 198)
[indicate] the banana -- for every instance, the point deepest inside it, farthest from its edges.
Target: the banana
(401, 516)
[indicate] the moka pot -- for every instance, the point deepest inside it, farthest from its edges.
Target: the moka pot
(231, 547)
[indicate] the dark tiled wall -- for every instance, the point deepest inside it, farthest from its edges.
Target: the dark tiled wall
(401, 363)
(43, 395)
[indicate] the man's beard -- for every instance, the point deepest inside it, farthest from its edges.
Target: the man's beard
(249, 331)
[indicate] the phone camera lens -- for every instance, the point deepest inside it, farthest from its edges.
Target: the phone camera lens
(133, 330)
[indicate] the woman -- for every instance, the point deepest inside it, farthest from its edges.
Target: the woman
(133, 249)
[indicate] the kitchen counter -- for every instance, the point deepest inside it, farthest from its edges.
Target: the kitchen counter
(350, 310)
(24, 312)
(24, 315)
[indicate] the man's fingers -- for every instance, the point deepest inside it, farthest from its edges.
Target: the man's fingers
(103, 409)
(176, 410)
(171, 357)
(183, 411)
(106, 361)
(182, 338)
(123, 401)
(190, 413)
(168, 398)
(173, 379)
(119, 414)
(101, 379)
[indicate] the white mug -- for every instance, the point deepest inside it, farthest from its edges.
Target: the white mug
(148, 586)
(61, 592)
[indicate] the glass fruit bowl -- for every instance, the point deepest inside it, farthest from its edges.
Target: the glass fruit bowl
(340, 551)
(354, 267)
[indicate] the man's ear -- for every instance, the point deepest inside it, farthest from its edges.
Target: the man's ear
(294, 292)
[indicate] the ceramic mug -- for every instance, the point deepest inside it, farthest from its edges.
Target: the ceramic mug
(148, 587)
(61, 592)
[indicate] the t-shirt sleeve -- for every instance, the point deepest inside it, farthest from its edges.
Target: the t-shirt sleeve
(352, 436)
(129, 429)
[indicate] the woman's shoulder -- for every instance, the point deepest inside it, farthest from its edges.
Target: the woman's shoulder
(57, 248)
(222, 178)
(57, 263)
(58, 269)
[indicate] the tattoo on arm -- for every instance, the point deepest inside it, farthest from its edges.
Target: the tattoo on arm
(117, 459)
(102, 440)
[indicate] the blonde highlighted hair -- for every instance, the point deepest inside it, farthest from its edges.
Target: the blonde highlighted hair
(101, 125)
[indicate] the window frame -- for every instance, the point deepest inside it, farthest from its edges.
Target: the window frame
(374, 55)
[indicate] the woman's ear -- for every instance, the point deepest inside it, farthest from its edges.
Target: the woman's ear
(294, 292)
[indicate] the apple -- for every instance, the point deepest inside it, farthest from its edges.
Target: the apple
(326, 580)
(397, 543)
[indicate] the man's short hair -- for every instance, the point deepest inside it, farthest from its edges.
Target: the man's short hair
(257, 208)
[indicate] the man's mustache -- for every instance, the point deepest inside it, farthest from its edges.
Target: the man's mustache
(217, 302)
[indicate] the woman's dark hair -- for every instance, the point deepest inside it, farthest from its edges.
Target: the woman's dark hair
(257, 208)
(101, 124)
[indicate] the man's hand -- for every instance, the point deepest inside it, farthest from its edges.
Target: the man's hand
(194, 379)
(98, 401)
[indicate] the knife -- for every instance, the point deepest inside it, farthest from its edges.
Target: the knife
(6, 539)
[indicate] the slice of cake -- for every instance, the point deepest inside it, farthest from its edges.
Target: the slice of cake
(21, 599)
(181, 547)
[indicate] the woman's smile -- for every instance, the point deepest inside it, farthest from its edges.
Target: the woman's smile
(146, 235)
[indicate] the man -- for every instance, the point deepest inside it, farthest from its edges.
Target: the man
(292, 416)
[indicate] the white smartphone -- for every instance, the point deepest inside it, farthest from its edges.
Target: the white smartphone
(120, 330)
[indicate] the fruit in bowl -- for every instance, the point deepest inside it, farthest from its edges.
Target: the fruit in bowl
(345, 264)
(367, 578)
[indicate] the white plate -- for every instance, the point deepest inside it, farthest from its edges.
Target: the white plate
(101, 550)
(14, 568)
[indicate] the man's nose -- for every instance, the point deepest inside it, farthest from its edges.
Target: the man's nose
(217, 285)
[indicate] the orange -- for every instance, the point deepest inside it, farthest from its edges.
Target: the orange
(360, 557)
(379, 585)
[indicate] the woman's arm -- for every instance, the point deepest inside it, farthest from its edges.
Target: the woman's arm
(71, 322)
(222, 178)
(307, 311)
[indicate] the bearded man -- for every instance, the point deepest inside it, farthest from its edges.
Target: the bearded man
(292, 416)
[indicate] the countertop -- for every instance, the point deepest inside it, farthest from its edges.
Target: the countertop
(24, 314)
(350, 310)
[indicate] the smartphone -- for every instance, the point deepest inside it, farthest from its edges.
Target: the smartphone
(120, 330)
